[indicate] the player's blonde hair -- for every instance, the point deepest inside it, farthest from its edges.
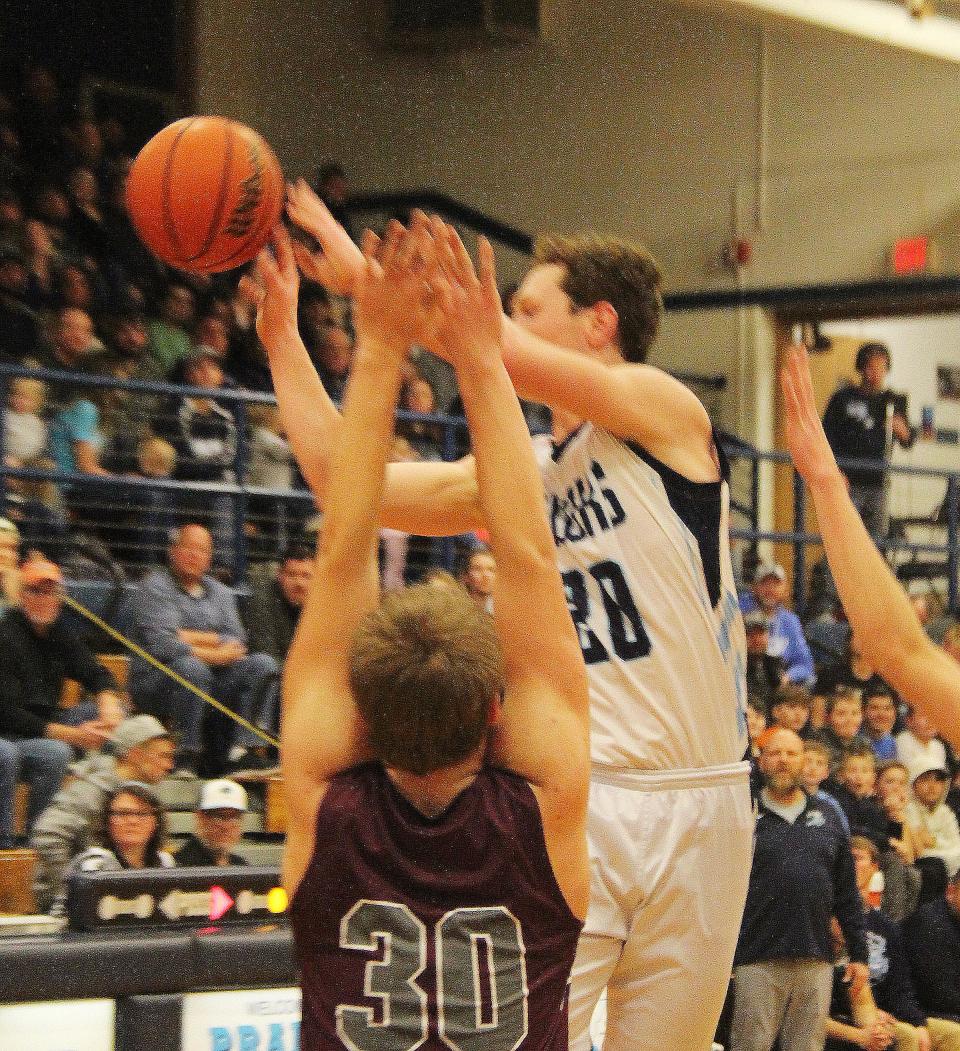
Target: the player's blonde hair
(425, 668)
(603, 269)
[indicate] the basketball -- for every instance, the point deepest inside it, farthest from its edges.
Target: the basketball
(204, 193)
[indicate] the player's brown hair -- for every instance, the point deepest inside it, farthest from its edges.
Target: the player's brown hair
(602, 269)
(425, 667)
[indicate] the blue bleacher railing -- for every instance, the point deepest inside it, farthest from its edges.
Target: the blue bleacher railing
(745, 506)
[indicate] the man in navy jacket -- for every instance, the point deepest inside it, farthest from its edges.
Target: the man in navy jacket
(802, 875)
(932, 936)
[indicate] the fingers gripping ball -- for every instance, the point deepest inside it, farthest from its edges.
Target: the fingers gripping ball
(204, 194)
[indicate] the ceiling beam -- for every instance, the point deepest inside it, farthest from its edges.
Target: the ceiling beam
(877, 20)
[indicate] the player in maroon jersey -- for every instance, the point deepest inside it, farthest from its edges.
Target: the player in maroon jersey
(436, 760)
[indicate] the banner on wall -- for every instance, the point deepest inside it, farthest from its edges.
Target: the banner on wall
(62, 1025)
(240, 1020)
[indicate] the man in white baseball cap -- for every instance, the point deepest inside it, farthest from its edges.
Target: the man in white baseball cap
(219, 826)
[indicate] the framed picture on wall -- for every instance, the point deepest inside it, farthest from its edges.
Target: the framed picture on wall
(948, 382)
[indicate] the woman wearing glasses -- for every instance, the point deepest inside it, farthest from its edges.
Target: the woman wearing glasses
(132, 831)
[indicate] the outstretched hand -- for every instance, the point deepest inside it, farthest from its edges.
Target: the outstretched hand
(808, 443)
(339, 262)
(399, 293)
(274, 290)
(470, 314)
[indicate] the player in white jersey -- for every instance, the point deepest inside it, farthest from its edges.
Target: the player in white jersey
(650, 589)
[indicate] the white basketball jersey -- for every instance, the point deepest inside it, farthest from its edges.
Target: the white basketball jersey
(645, 560)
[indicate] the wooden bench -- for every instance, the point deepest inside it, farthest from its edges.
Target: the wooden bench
(16, 882)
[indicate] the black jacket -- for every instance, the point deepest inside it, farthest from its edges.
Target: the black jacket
(33, 668)
(802, 875)
(856, 426)
(932, 936)
(194, 853)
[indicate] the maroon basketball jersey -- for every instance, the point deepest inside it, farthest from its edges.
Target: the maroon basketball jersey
(414, 932)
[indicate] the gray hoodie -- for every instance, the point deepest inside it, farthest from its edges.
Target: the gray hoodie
(65, 828)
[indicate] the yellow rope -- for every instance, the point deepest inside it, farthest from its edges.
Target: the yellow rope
(134, 648)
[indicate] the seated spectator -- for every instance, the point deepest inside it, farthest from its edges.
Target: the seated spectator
(9, 564)
(790, 709)
(844, 719)
(130, 834)
(24, 432)
(828, 636)
(189, 621)
(36, 508)
(271, 466)
(143, 535)
(765, 673)
(335, 353)
(918, 745)
(274, 606)
(143, 750)
(480, 577)
(932, 939)
(76, 437)
(879, 717)
(816, 772)
(20, 332)
(857, 775)
(892, 774)
(851, 672)
(219, 817)
(39, 649)
(891, 982)
(756, 721)
(73, 344)
(785, 639)
(937, 833)
(892, 793)
(204, 434)
(169, 333)
(425, 438)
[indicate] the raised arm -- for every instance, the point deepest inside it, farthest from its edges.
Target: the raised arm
(637, 402)
(543, 734)
(434, 499)
(322, 730)
(876, 606)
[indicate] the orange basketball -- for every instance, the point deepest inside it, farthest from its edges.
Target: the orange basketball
(204, 194)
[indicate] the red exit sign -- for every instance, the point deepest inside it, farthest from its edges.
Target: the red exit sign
(910, 255)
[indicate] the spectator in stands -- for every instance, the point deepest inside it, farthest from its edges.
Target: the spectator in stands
(932, 939)
(130, 834)
(828, 636)
(149, 518)
(188, 620)
(9, 564)
(39, 650)
(271, 466)
(844, 720)
(857, 775)
(861, 421)
(918, 745)
(802, 875)
(892, 773)
(275, 603)
(815, 773)
(204, 434)
(169, 334)
(879, 718)
(937, 833)
(480, 576)
(35, 507)
(19, 328)
(890, 978)
(851, 671)
(334, 190)
(24, 432)
(42, 260)
(756, 720)
(425, 438)
(77, 437)
(765, 673)
(790, 709)
(143, 750)
(334, 354)
(73, 339)
(785, 637)
(219, 817)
